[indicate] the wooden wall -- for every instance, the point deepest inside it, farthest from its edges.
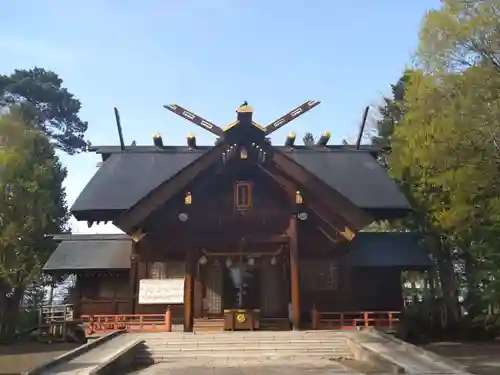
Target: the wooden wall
(325, 282)
(144, 270)
(377, 289)
(102, 293)
(358, 289)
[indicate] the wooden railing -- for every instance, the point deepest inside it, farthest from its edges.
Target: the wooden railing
(129, 322)
(355, 320)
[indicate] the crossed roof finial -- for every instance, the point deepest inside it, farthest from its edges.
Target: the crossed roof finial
(244, 127)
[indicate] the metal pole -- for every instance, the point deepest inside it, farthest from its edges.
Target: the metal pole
(119, 126)
(362, 128)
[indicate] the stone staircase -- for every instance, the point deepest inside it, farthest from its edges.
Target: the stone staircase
(208, 325)
(274, 324)
(177, 346)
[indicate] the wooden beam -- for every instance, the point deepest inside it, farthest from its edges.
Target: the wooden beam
(242, 253)
(131, 218)
(340, 226)
(294, 273)
(356, 216)
(195, 119)
(332, 239)
(329, 217)
(196, 240)
(188, 290)
(291, 115)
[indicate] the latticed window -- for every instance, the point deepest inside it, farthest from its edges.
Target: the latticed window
(157, 271)
(242, 195)
(316, 275)
(162, 270)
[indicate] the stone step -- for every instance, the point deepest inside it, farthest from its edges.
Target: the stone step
(214, 338)
(176, 356)
(236, 342)
(218, 354)
(236, 336)
(256, 333)
(303, 343)
(245, 346)
(270, 348)
(229, 354)
(208, 329)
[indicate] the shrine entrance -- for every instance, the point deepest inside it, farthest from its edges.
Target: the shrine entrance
(241, 287)
(256, 284)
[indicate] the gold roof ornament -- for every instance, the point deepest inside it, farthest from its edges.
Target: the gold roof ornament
(138, 235)
(298, 198)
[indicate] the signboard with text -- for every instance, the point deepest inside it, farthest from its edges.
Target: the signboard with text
(161, 291)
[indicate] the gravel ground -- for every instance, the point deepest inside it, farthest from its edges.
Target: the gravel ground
(480, 358)
(250, 367)
(19, 357)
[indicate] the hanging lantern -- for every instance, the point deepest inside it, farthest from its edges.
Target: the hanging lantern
(243, 153)
(298, 198)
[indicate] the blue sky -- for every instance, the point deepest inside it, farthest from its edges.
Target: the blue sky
(210, 56)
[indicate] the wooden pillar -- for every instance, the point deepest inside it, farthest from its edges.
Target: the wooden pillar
(197, 292)
(133, 283)
(188, 291)
(294, 273)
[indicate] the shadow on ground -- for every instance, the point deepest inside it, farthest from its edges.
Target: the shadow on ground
(18, 357)
(480, 358)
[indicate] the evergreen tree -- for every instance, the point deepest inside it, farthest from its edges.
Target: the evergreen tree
(40, 94)
(32, 205)
(308, 139)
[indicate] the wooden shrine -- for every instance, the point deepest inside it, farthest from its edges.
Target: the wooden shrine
(240, 235)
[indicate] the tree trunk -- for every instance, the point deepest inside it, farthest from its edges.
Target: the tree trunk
(11, 313)
(4, 290)
(448, 283)
(474, 300)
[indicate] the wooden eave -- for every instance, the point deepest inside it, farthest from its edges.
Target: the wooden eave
(342, 216)
(130, 219)
(336, 226)
(327, 199)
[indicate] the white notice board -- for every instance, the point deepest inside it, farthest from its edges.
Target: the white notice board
(161, 291)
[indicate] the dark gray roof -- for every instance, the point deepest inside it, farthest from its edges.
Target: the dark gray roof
(126, 177)
(388, 249)
(90, 254)
(356, 175)
(90, 236)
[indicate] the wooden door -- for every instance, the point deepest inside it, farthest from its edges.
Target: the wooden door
(213, 296)
(274, 292)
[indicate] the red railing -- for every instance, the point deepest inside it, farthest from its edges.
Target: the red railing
(129, 322)
(355, 320)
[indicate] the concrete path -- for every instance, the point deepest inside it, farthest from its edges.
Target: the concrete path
(249, 367)
(85, 363)
(405, 355)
